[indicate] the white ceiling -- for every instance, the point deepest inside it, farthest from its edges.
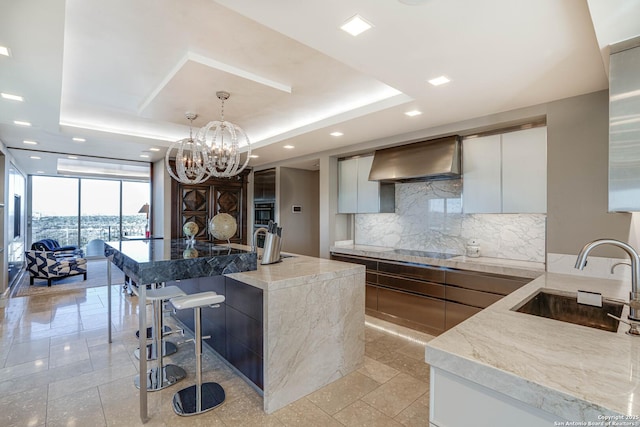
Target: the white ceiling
(122, 74)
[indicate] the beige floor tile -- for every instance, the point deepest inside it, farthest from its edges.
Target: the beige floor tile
(343, 392)
(246, 412)
(83, 408)
(398, 393)
(403, 363)
(27, 408)
(91, 379)
(23, 369)
(304, 413)
(22, 352)
(416, 414)
(120, 404)
(360, 414)
(413, 350)
(66, 352)
(377, 371)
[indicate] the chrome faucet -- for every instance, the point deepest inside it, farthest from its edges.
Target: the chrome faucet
(634, 297)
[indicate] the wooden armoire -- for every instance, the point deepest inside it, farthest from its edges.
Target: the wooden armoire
(200, 202)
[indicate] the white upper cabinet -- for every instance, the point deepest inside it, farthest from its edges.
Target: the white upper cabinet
(506, 173)
(356, 194)
(524, 171)
(482, 188)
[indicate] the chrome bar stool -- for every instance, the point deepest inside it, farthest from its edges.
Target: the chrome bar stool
(157, 298)
(199, 397)
(161, 376)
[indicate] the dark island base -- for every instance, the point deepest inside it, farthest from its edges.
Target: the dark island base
(235, 327)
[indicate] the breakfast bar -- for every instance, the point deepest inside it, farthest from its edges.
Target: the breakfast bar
(162, 260)
(307, 313)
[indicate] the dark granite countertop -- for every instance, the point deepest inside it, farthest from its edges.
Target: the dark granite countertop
(160, 260)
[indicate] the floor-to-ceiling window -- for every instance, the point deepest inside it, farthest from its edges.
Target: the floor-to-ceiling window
(82, 211)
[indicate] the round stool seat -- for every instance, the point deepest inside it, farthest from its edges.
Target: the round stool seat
(201, 299)
(158, 295)
(167, 292)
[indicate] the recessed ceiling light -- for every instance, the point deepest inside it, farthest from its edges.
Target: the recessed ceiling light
(72, 157)
(12, 97)
(336, 134)
(79, 139)
(144, 156)
(356, 25)
(253, 156)
(29, 142)
(439, 81)
(39, 171)
(21, 123)
(154, 149)
(5, 51)
(413, 113)
(34, 157)
(288, 147)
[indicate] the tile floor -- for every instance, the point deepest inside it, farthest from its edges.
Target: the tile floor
(56, 369)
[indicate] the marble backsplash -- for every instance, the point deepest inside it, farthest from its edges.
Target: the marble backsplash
(429, 218)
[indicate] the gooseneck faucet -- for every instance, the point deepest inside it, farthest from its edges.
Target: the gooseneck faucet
(634, 297)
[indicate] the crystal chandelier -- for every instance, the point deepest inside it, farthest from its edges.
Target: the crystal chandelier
(191, 158)
(223, 140)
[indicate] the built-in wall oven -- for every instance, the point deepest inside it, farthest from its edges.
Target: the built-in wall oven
(263, 212)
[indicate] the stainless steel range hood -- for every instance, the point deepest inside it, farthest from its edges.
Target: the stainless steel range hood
(420, 161)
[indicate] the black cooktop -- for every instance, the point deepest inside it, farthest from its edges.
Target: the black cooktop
(426, 254)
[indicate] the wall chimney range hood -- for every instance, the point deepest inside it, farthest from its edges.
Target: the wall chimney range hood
(434, 159)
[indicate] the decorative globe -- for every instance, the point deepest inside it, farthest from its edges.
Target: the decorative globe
(223, 226)
(190, 229)
(190, 253)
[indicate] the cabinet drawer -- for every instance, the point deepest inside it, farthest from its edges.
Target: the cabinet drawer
(502, 285)
(414, 271)
(471, 297)
(371, 278)
(371, 297)
(417, 286)
(422, 310)
(244, 298)
(457, 313)
(367, 262)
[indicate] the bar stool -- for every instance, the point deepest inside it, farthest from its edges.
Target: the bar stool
(161, 376)
(199, 397)
(158, 296)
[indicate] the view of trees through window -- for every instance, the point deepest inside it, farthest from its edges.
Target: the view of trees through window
(76, 211)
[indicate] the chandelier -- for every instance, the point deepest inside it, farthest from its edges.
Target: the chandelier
(222, 140)
(191, 158)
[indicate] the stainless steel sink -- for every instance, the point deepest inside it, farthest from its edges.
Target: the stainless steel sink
(565, 308)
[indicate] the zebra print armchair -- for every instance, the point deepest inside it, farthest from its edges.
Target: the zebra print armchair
(49, 265)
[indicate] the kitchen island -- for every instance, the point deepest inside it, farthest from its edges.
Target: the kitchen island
(509, 368)
(309, 312)
(161, 260)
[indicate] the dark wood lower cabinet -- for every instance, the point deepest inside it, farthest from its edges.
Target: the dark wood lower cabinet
(235, 327)
(428, 298)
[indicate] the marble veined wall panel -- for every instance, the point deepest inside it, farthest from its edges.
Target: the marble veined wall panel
(314, 335)
(429, 217)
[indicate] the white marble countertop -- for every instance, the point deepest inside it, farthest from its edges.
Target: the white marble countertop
(482, 264)
(295, 271)
(572, 371)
